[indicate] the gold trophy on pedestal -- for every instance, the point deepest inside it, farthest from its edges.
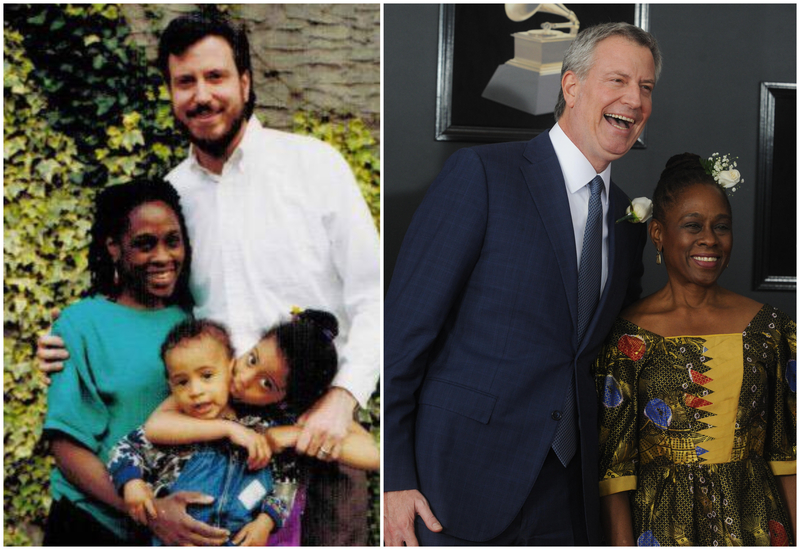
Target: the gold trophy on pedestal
(531, 80)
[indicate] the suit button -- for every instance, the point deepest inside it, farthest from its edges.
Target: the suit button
(555, 415)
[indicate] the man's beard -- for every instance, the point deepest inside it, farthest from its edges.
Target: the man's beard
(212, 147)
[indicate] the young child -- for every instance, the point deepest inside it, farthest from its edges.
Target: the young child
(193, 454)
(199, 361)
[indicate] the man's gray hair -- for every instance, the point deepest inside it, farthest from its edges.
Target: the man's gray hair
(580, 55)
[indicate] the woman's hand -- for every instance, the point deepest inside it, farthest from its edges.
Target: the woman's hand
(255, 533)
(139, 501)
(326, 424)
(174, 527)
(258, 451)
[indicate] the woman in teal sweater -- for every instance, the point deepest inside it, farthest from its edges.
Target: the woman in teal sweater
(114, 378)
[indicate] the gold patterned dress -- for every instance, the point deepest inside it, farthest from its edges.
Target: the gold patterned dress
(696, 427)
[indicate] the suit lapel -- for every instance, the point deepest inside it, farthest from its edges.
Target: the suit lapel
(548, 191)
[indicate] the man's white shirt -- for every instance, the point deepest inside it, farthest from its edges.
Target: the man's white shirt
(285, 225)
(578, 172)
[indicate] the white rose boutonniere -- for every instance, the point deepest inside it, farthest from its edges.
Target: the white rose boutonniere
(723, 170)
(728, 178)
(640, 210)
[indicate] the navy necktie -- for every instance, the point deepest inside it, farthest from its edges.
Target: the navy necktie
(589, 278)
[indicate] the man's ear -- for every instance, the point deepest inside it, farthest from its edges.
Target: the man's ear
(113, 249)
(245, 82)
(569, 87)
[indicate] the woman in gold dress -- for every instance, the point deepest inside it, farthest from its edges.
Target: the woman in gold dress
(697, 389)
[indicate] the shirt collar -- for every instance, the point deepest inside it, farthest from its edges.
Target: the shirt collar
(242, 151)
(577, 169)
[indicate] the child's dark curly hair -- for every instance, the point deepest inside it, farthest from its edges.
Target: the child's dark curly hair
(306, 343)
(192, 329)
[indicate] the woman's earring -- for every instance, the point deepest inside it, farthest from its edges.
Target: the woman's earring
(658, 257)
(116, 276)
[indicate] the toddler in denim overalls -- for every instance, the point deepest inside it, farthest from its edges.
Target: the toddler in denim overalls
(247, 502)
(285, 373)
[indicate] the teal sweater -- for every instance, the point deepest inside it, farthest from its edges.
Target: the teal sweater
(111, 383)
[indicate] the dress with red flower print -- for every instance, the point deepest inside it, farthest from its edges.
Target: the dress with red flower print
(697, 428)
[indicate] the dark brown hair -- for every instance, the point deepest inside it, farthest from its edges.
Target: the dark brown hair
(193, 329)
(306, 343)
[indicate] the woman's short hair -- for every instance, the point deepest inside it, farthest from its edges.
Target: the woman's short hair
(113, 206)
(681, 172)
(580, 55)
(306, 343)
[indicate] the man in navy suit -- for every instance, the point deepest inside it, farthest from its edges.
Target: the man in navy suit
(483, 357)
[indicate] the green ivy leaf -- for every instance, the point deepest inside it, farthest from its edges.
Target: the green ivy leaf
(131, 139)
(38, 19)
(47, 169)
(104, 104)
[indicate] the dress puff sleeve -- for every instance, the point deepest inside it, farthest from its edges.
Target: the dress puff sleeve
(616, 373)
(781, 447)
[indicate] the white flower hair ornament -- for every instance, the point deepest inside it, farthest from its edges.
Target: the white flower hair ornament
(723, 170)
(640, 210)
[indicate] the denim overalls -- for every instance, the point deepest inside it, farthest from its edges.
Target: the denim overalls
(239, 494)
(218, 469)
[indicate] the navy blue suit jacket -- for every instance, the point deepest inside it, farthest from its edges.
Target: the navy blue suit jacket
(480, 336)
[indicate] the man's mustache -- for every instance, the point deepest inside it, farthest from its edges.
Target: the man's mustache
(200, 110)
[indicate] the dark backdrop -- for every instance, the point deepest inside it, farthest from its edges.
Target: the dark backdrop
(707, 101)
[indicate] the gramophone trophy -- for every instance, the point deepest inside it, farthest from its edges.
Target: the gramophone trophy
(531, 80)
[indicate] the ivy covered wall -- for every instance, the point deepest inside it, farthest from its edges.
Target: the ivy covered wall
(84, 108)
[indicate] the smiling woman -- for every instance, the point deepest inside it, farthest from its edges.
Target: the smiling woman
(148, 257)
(696, 236)
(139, 253)
(708, 399)
(114, 377)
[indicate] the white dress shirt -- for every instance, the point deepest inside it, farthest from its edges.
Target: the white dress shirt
(578, 173)
(285, 225)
